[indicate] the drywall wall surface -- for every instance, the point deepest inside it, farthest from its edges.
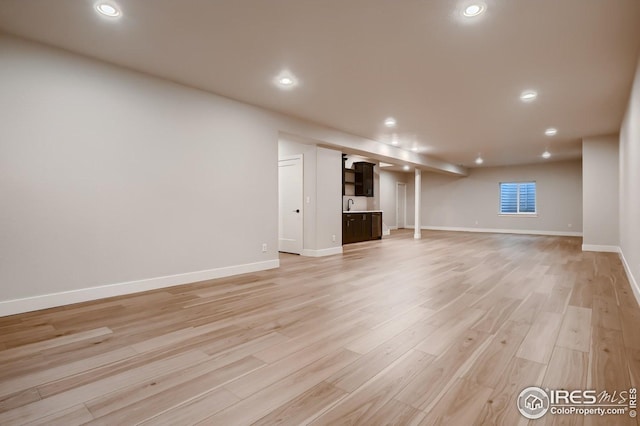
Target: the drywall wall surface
(630, 186)
(329, 197)
(111, 176)
(473, 201)
(600, 175)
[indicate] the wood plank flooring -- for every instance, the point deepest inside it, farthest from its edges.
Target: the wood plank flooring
(443, 330)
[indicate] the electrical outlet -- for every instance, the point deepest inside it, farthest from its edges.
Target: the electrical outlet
(333, 238)
(476, 222)
(264, 247)
(570, 225)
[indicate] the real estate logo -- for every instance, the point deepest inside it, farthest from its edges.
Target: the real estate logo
(533, 402)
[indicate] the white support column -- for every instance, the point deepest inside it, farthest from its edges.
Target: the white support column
(416, 230)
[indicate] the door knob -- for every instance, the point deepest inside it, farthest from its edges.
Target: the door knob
(297, 210)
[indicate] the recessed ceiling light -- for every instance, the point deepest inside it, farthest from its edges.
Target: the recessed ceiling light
(414, 149)
(394, 142)
(479, 160)
(390, 122)
(406, 167)
(108, 10)
(551, 131)
(528, 95)
(286, 81)
(546, 154)
(473, 10)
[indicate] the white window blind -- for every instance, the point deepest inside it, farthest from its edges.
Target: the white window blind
(518, 198)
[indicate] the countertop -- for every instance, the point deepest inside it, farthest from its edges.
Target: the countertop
(362, 211)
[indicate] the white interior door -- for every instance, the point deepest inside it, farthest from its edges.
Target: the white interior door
(290, 193)
(401, 205)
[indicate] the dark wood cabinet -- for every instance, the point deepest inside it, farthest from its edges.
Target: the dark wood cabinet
(376, 226)
(363, 178)
(348, 229)
(366, 226)
(354, 227)
(357, 181)
(358, 227)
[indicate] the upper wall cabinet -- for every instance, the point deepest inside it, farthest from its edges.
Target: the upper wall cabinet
(358, 180)
(363, 178)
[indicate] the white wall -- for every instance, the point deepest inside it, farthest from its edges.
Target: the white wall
(630, 187)
(600, 193)
(322, 188)
(329, 208)
(472, 202)
(108, 176)
(113, 181)
(388, 181)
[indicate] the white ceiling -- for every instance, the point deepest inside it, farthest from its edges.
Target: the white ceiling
(451, 82)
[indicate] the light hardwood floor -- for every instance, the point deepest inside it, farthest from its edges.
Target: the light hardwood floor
(443, 330)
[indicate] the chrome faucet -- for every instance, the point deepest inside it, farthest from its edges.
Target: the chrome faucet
(349, 205)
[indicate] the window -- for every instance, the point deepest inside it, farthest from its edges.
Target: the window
(518, 198)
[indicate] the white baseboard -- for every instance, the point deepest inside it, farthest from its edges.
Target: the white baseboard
(386, 230)
(501, 231)
(322, 252)
(601, 248)
(632, 280)
(45, 301)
